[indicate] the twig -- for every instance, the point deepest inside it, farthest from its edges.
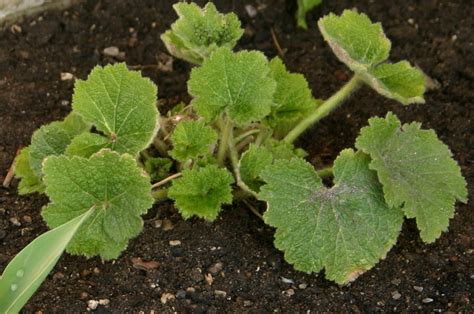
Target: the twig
(253, 210)
(166, 180)
(277, 44)
(11, 171)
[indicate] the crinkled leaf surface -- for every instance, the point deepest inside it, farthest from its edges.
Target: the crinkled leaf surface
(112, 183)
(202, 191)
(284, 150)
(192, 139)
(87, 144)
(158, 168)
(304, 6)
(121, 104)
(345, 229)
(399, 81)
(238, 84)
(252, 163)
(355, 40)
(198, 32)
(30, 182)
(417, 172)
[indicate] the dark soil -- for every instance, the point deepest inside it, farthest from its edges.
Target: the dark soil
(435, 35)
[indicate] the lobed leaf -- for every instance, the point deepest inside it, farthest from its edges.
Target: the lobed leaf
(284, 150)
(355, 40)
(202, 191)
(399, 81)
(417, 171)
(121, 104)
(345, 229)
(199, 32)
(30, 182)
(304, 6)
(252, 163)
(87, 144)
(111, 183)
(238, 84)
(192, 139)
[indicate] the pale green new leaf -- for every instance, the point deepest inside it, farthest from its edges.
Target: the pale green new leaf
(202, 191)
(25, 273)
(30, 182)
(239, 84)
(111, 183)
(399, 81)
(345, 229)
(284, 150)
(121, 104)
(199, 32)
(192, 139)
(355, 40)
(417, 172)
(252, 163)
(87, 144)
(304, 6)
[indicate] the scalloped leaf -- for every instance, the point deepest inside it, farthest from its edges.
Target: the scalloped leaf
(201, 192)
(121, 104)
(304, 6)
(87, 144)
(238, 84)
(252, 163)
(355, 40)
(192, 139)
(399, 81)
(30, 182)
(199, 32)
(111, 183)
(417, 171)
(345, 229)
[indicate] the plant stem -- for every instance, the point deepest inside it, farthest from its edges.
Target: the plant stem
(161, 147)
(322, 111)
(160, 195)
(325, 172)
(166, 180)
(245, 134)
(223, 144)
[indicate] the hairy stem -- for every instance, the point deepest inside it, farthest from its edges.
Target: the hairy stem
(227, 132)
(166, 180)
(160, 195)
(325, 172)
(322, 111)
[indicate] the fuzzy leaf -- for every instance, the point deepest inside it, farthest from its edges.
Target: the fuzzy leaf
(355, 40)
(399, 81)
(158, 168)
(87, 144)
(345, 229)
(417, 172)
(284, 150)
(198, 32)
(202, 191)
(238, 84)
(304, 6)
(113, 184)
(252, 163)
(30, 182)
(121, 104)
(192, 139)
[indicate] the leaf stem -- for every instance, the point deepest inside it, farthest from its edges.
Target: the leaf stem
(160, 146)
(245, 134)
(253, 210)
(160, 195)
(322, 111)
(166, 180)
(325, 172)
(227, 132)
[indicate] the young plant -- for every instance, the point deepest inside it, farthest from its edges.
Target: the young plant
(227, 144)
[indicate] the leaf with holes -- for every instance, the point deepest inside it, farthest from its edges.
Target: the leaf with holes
(417, 171)
(345, 229)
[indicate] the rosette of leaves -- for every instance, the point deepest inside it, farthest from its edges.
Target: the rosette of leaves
(364, 48)
(200, 31)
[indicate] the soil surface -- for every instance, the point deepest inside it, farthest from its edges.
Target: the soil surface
(248, 273)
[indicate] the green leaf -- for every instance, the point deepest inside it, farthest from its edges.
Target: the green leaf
(252, 163)
(30, 182)
(158, 168)
(355, 40)
(304, 6)
(29, 268)
(345, 229)
(87, 144)
(399, 81)
(198, 32)
(284, 150)
(417, 172)
(202, 191)
(121, 104)
(192, 139)
(238, 84)
(111, 183)
(73, 124)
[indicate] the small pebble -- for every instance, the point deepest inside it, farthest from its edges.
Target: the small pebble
(287, 280)
(216, 268)
(165, 297)
(247, 303)
(167, 225)
(251, 11)
(96, 270)
(396, 282)
(302, 286)
(396, 295)
(92, 304)
(209, 279)
(111, 51)
(290, 292)
(220, 293)
(175, 242)
(58, 275)
(190, 290)
(27, 219)
(84, 295)
(158, 223)
(104, 301)
(427, 300)
(66, 76)
(418, 288)
(15, 221)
